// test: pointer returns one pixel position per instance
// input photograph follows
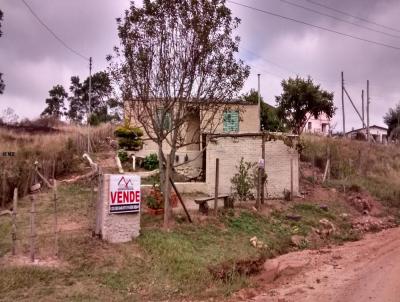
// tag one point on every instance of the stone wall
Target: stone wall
(115, 228)
(230, 150)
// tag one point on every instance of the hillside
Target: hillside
(211, 259)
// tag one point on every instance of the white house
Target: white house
(378, 133)
(320, 125)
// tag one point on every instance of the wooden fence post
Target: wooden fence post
(14, 221)
(329, 166)
(3, 185)
(55, 198)
(313, 169)
(32, 222)
(291, 179)
(258, 202)
(216, 186)
(263, 170)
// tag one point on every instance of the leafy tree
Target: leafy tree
(101, 103)
(55, 104)
(176, 59)
(301, 97)
(2, 85)
(76, 111)
(269, 118)
(392, 118)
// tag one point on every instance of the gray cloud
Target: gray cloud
(33, 61)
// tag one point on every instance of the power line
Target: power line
(350, 15)
(283, 68)
(339, 19)
(268, 61)
(53, 33)
(315, 26)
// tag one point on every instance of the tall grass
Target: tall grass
(57, 153)
(374, 167)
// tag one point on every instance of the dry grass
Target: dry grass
(373, 167)
(58, 153)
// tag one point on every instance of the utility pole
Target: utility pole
(343, 115)
(90, 103)
(362, 107)
(259, 100)
(368, 136)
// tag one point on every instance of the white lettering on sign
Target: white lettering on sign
(124, 196)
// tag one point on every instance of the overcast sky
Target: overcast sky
(32, 61)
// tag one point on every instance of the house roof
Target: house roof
(363, 128)
(228, 102)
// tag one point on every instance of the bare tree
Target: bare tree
(8, 116)
(177, 59)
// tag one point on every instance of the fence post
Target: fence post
(32, 222)
(258, 202)
(216, 186)
(55, 198)
(263, 170)
(14, 221)
(3, 185)
(329, 166)
(291, 179)
(313, 169)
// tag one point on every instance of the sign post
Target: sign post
(124, 194)
(119, 208)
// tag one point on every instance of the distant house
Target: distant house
(237, 117)
(320, 125)
(378, 134)
(235, 135)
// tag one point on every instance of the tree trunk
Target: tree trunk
(167, 192)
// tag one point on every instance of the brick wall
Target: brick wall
(229, 150)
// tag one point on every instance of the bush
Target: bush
(129, 138)
(150, 162)
(123, 156)
(243, 180)
(153, 203)
(128, 132)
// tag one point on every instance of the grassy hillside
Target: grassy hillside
(207, 259)
(372, 167)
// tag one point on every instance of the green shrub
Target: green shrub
(243, 180)
(123, 156)
(129, 138)
(150, 162)
(128, 132)
(129, 144)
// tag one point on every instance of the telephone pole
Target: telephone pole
(362, 105)
(343, 115)
(90, 103)
(368, 136)
(259, 101)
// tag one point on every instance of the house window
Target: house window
(231, 121)
(167, 119)
(309, 125)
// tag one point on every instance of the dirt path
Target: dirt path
(367, 270)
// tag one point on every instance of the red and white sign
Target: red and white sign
(124, 196)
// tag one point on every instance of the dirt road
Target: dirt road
(367, 270)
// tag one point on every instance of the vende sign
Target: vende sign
(124, 194)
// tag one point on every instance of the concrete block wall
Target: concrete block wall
(116, 228)
(230, 150)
